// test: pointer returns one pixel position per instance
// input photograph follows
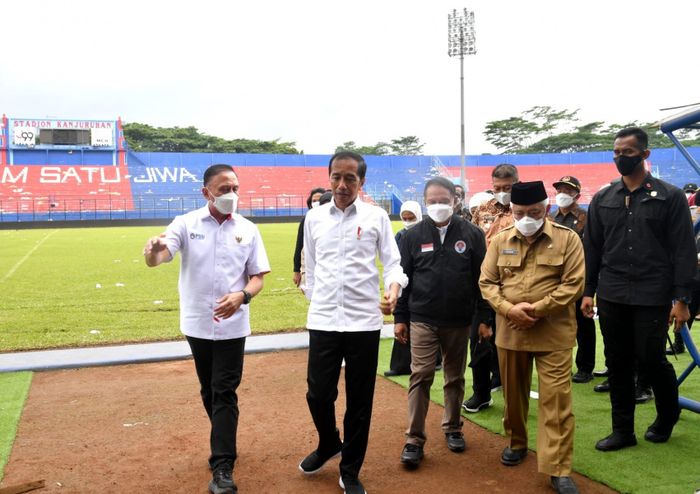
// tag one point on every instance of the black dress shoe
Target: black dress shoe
(563, 485)
(582, 377)
(658, 432)
(412, 455)
(603, 387)
(455, 442)
(351, 485)
(616, 441)
(511, 457)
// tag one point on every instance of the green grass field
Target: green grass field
(49, 295)
(49, 278)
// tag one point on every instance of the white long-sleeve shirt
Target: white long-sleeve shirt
(342, 279)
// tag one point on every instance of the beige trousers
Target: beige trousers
(426, 339)
(555, 419)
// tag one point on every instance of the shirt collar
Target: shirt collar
(356, 204)
(205, 213)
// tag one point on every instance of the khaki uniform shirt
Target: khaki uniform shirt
(549, 274)
(492, 217)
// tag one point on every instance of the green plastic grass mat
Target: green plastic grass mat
(647, 468)
(14, 388)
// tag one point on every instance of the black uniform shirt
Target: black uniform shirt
(639, 245)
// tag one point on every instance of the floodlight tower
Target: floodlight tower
(461, 41)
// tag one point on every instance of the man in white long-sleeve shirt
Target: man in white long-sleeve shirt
(341, 241)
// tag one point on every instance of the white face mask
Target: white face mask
(688, 194)
(315, 204)
(409, 224)
(528, 226)
(226, 203)
(503, 197)
(564, 200)
(440, 213)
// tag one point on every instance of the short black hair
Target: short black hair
(639, 134)
(214, 170)
(460, 194)
(505, 170)
(440, 182)
(344, 155)
(315, 190)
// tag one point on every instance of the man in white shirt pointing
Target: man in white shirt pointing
(341, 241)
(222, 269)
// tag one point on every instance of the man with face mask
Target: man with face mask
(532, 275)
(492, 217)
(222, 269)
(640, 257)
(441, 256)
(573, 216)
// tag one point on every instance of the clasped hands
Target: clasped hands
(522, 316)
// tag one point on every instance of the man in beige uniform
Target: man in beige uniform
(532, 275)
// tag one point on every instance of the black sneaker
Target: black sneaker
(315, 461)
(496, 385)
(676, 349)
(455, 442)
(582, 377)
(222, 480)
(476, 404)
(412, 455)
(642, 395)
(351, 485)
(602, 373)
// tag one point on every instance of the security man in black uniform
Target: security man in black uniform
(573, 216)
(640, 255)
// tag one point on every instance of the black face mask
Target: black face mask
(627, 164)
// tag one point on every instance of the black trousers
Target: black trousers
(327, 349)
(486, 370)
(585, 339)
(219, 367)
(634, 331)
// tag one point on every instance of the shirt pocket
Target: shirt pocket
(549, 264)
(509, 267)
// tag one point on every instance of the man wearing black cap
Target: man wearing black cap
(573, 216)
(640, 255)
(690, 189)
(532, 275)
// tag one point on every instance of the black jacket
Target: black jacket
(639, 245)
(443, 279)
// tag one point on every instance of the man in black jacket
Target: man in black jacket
(639, 256)
(442, 257)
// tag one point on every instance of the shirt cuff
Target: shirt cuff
(589, 291)
(504, 307)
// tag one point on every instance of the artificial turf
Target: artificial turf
(647, 468)
(14, 388)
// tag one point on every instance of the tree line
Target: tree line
(540, 129)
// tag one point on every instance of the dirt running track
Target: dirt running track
(141, 428)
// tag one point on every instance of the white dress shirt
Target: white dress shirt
(217, 259)
(342, 279)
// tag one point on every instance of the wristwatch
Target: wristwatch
(247, 297)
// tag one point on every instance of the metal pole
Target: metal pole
(463, 171)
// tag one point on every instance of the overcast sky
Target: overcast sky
(323, 72)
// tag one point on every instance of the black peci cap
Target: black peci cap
(570, 181)
(691, 187)
(527, 193)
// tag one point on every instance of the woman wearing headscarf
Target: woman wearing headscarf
(400, 364)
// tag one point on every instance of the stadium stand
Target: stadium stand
(105, 180)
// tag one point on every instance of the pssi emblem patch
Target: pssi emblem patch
(196, 236)
(460, 246)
